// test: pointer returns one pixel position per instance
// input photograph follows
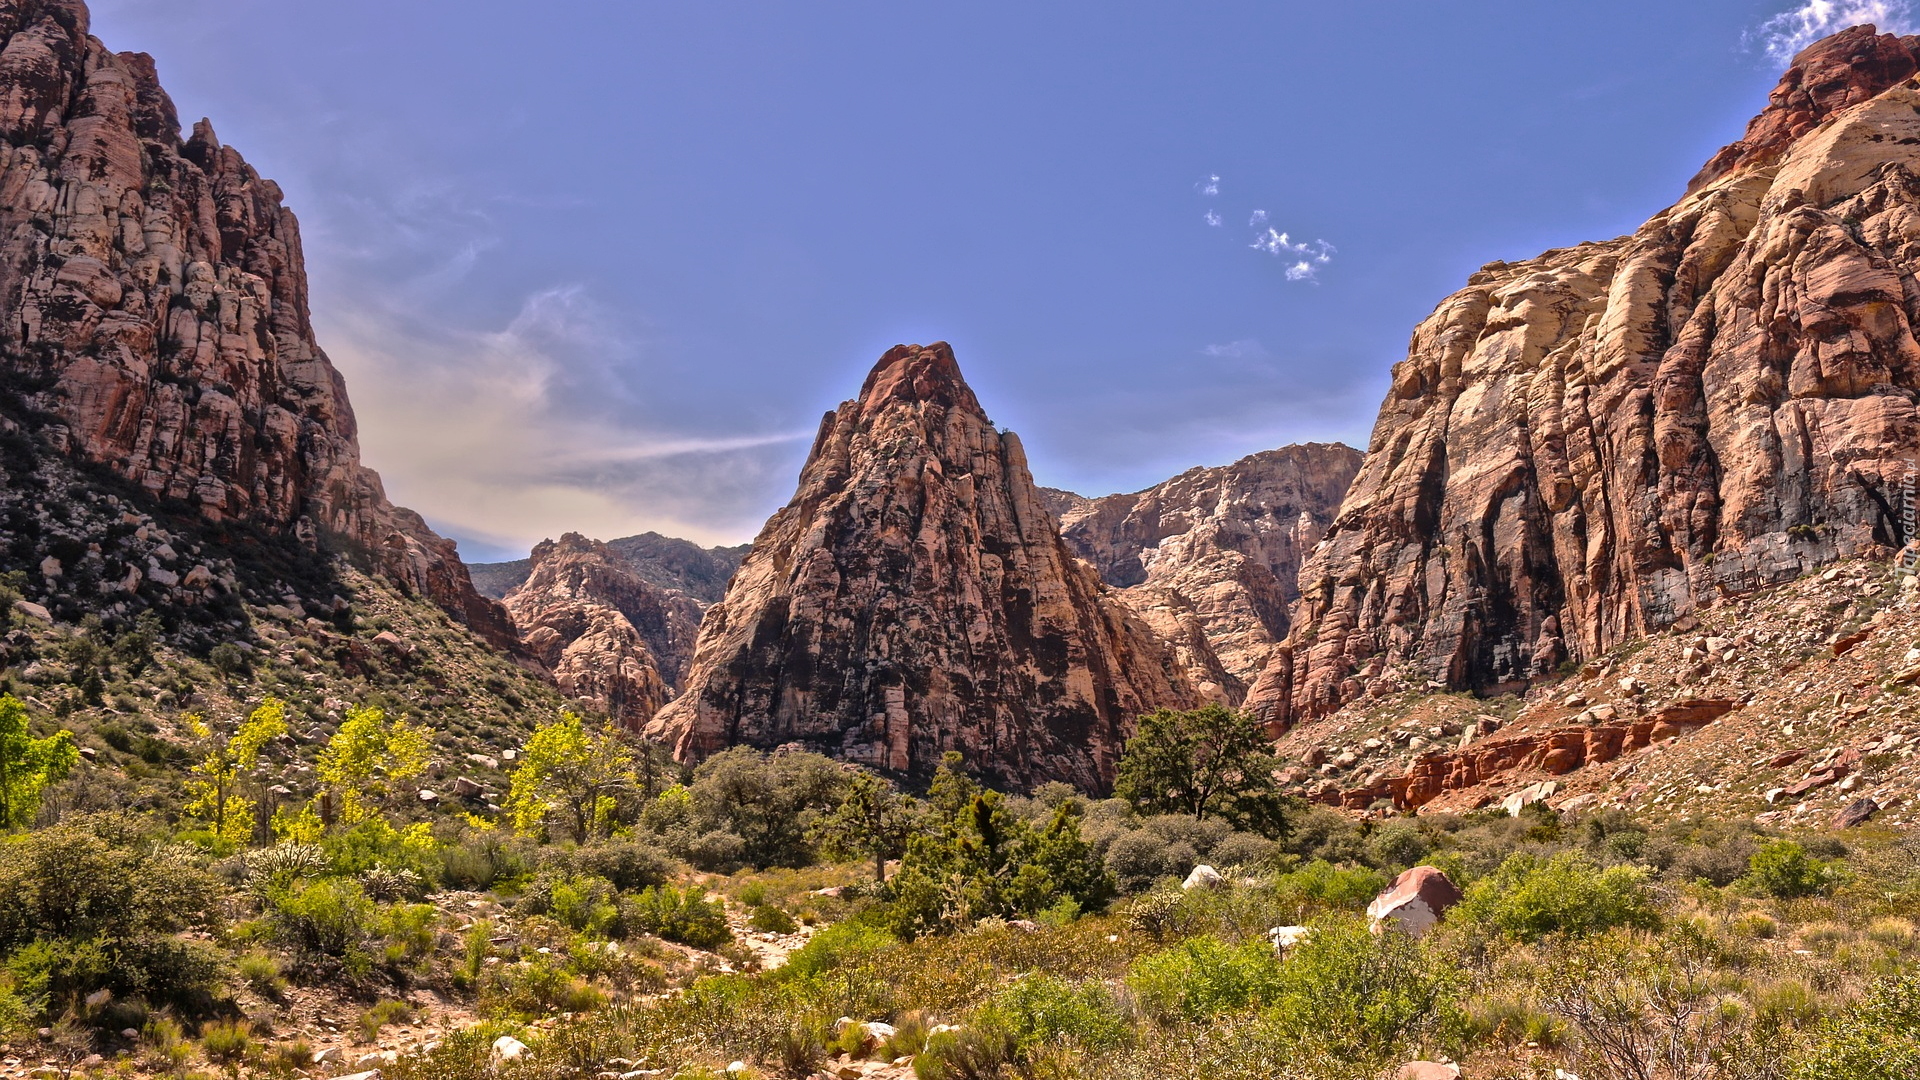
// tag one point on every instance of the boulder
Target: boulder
(1428, 1070)
(1204, 877)
(1415, 901)
(508, 1048)
(1286, 937)
(1857, 812)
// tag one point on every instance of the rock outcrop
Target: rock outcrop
(153, 302)
(666, 562)
(611, 639)
(1585, 447)
(915, 597)
(1211, 558)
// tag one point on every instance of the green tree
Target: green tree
(871, 822)
(573, 775)
(227, 757)
(27, 764)
(987, 862)
(1207, 761)
(369, 759)
(767, 800)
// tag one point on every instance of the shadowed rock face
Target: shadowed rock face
(662, 561)
(155, 305)
(1211, 558)
(610, 638)
(1586, 446)
(915, 597)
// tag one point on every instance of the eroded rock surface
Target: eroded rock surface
(1587, 446)
(155, 304)
(915, 597)
(1211, 558)
(610, 638)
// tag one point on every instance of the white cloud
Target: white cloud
(1308, 257)
(1213, 219)
(1787, 33)
(1210, 186)
(1258, 219)
(1244, 349)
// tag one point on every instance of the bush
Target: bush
(263, 974)
(769, 919)
(842, 944)
(1351, 995)
(384, 1012)
(1529, 898)
(329, 917)
(1040, 1010)
(1203, 977)
(630, 866)
(1785, 870)
(227, 1041)
(582, 902)
(1139, 858)
(1322, 885)
(974, 1052)
(682, 915)
(1879, 1039)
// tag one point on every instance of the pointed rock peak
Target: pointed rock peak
(568, 542)
(1832, 74)
(917, 373)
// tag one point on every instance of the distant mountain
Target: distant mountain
(663, 561)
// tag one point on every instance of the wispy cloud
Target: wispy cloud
(1258, 219)
(1244, 349)
(1213, 219)
(1210, 186)
(1785, 34)
(1307, 256)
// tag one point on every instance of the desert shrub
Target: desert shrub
(329, 917)
(1041, 1009)
(1529, 898)
(840, 945)
(262, 972)
(772, 920)
(383, 1012)
(1139, 858)
(1397, 845)
(1202, 977)
(536, 987)
(1878, 1039)
(629, 865)
(767, 800)
(581, 901)
(1322, 885)
(375, 843)
(1349, 994)
(164, 1045)
(983, 861)
(227, 1041)
(974, 1052)
(1783, 868)
(481, 860)
(1244, 849)
(682, 915)
(408, 930)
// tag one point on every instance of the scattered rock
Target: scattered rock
(1857, 812)
(1204, 877)
(1415, 901)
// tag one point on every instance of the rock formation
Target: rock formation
(610, 638)
(663, 561)
(153, 302)
(1211, 558)
(915, 597)
(1587, 446)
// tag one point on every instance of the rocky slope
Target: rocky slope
(1585, 447)
(1211, 558)
(611, 638)
(663, 561)
(155, 311)
(915, 597)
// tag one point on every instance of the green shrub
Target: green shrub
(1878, 1039)
(262, 972)
(1040, 1009)
(537, 987)
(1351, 995)
(164, 1045)
(844, 944)
(227, 1042)
(384, 1012)
(974, 1052)
(772, 920)
(1784, 869)
(1528, 898)
(580, 901)
(1204, 977)
(1324, 886)
(682, 915)
(629, 865)
(409, 931)
(330, 916)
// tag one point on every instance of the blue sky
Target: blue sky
(601, 265)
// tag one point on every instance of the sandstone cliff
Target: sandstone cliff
(915, 597)
(153, 302)
(665, 562)
(1211, 558)
(1588, 445)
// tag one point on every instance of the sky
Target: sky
(601, 265)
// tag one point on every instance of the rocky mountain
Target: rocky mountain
(612, 638)
(1590, 445)
(1211, 558)
(915, 597)
(665, 562)
(156, 318)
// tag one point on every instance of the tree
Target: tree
(767, 800)
(1211, 760)
(27, 764)
(367, 760)
(227, 757)
(572, 774)
(985, 861)
(872, 821)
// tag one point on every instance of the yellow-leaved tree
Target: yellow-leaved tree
(573, 775)
(366, 762)
(214, 795)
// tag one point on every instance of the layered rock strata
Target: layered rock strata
(1586, 446)
(915, 597)
(1211, 558)
(665, 562)
(612, 640)
(153, 302)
